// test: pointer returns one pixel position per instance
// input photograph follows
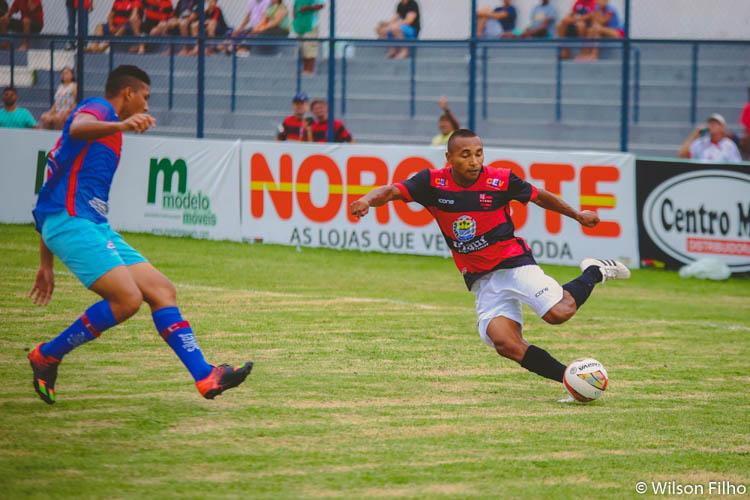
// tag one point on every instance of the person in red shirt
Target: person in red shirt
(470, 202)
(319, 110)
(154, 13)
(31, 21)
(745, 120)
(297, 126)
(124, 20)
(576, 23)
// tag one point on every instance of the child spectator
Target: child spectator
(711, 143)
(297, 126)
(447, 124)
(496, 23)
(155, 13)
(215, 26)
(124, 20)
(65, 101)
(605, 23)
(31, 20)
(576, 23)
(405, 24)
(305, 24)
(319, 110)
(542, 24)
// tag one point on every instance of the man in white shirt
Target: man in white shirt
(710, 143)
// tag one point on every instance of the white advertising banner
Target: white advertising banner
(23, 157)
(178, 187)
(297, 194)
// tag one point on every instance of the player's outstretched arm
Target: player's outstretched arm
(44, 283)
(375, 198)
(87, 127)
(549, 201)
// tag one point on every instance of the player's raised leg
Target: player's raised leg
(161, 295)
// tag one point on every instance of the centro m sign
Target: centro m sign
(706, 212)
(350, 183)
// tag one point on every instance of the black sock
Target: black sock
(581, 287)
(539, 361)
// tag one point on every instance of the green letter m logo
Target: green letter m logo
(169, 169)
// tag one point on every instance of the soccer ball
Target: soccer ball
(585, 379)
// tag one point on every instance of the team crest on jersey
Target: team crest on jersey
(440, 181)
(494, 182)
(464, 228)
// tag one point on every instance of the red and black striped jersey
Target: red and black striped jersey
(122, 9)
(292, 129)
(340, 133)
(475, 221)
(157, 10)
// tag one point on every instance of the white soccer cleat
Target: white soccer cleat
(567, 399)
(611, 269)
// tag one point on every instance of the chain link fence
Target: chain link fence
(685, 59)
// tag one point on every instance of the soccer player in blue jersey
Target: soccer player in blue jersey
(71, 213)
(470, 202)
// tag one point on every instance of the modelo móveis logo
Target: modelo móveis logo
(195, 207)
(700, 214)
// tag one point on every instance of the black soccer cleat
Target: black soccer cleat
(45, 374)
(223, 377)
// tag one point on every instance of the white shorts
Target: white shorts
(501, 292)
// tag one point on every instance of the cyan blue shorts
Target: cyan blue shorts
(408, 31)
(88, 249)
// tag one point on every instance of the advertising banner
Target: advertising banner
(298, 194)
(178, 187)
(23, 160)
(690, 211)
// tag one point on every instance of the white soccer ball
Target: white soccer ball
(585, 379)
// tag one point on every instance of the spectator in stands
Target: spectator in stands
(72, 8)
(275, 23)
(745, 120)
(711, 143)
(447, 124)
(542, 24)
(405, 24)
(216, 26)
(124, 20)
(297, 126)
(31, 20)
(496, 23)
(155, 13)
(65, 101)
(576, 23)
(185, 14)
(319, 110)
(605, 23)
(12, 116)
(305, 24)
(256, 10)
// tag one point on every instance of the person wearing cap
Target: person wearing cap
(297, 127)
(711, 143)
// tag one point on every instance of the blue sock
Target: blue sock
(94, 321)
(581, 287)
(177, 333)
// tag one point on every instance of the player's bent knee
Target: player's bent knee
(126, 304)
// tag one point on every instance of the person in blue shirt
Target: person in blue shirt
(542, 22)
(12, 116)
(605, 23)
(71, 216)
(496, 23)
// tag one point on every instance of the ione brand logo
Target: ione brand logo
(175, 194)
(700, 214)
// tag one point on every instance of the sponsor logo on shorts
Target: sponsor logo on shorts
(111, 246)
(464, 228)
(540, 292)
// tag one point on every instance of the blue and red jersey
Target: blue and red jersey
(475, 221)
(79, 172)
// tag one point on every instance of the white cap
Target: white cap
(717, 118)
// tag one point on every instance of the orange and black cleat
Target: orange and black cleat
(45, 374)
(223, 377)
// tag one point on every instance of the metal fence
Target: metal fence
(631, 79)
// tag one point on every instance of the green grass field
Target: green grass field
(370, 382)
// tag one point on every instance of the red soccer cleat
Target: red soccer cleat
(45, 374)
(223, 377)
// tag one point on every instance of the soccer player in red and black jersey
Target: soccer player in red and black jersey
(470, 202)
(319, 110)
(297, 127)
